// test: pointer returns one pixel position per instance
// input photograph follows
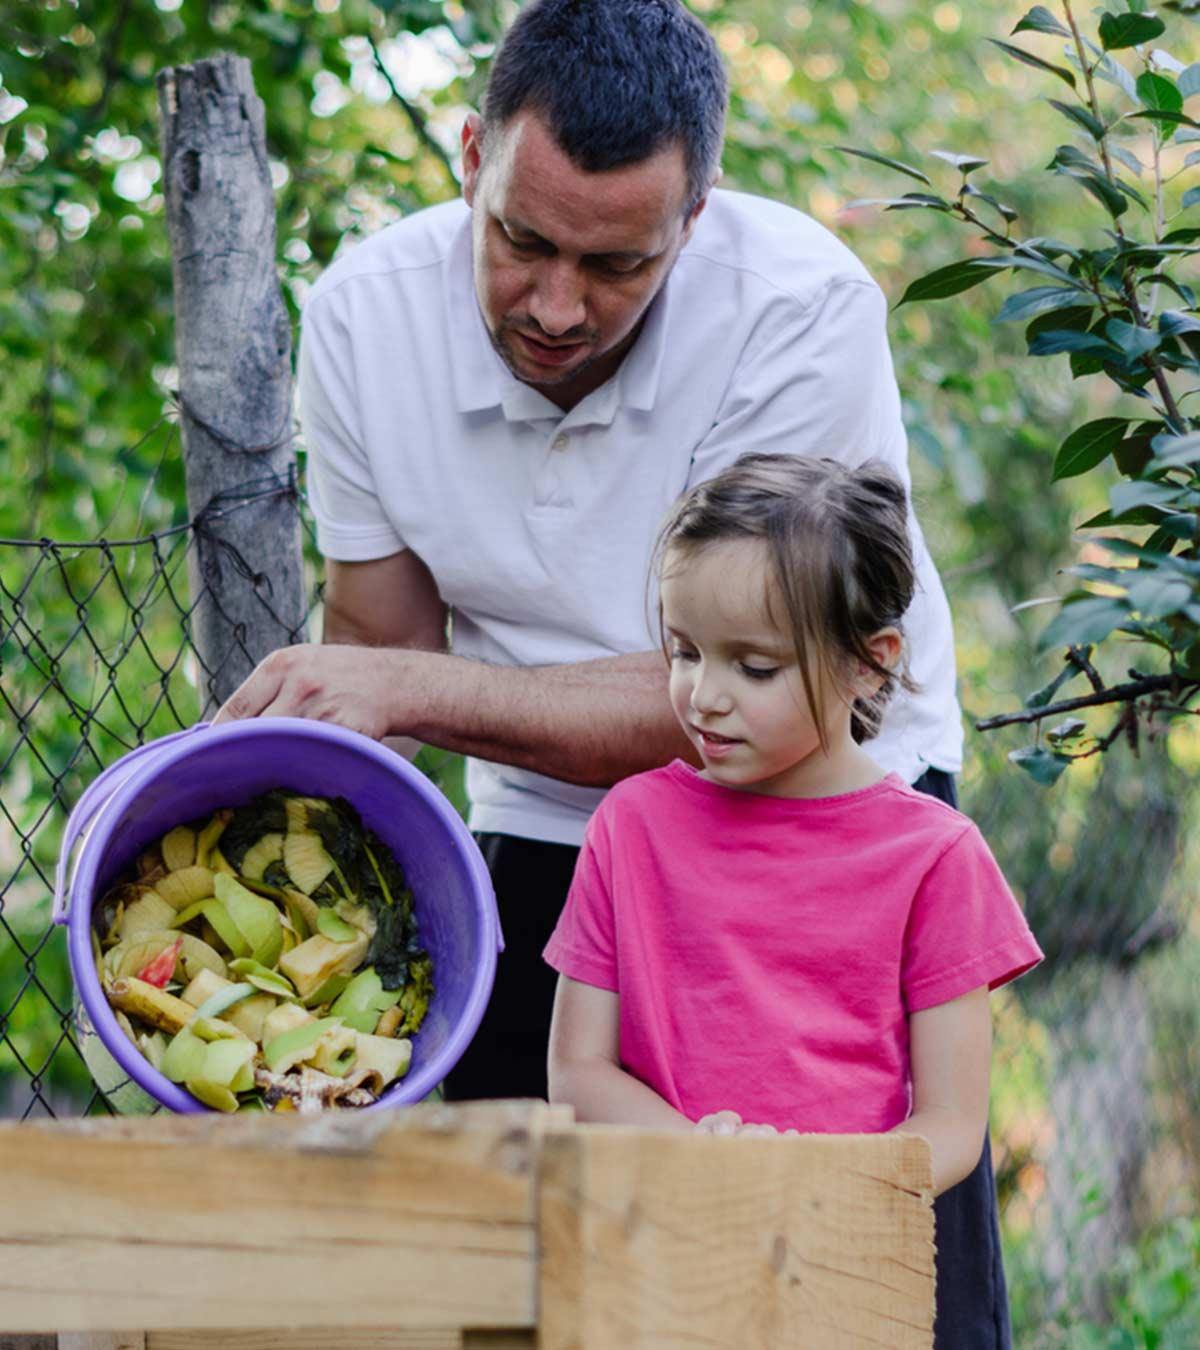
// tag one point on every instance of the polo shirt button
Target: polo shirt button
(561, 441)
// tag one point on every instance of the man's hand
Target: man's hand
(354, 687)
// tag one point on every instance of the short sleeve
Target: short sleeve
(583, 944)
(352, 525)
(965, 928)
(816, 380)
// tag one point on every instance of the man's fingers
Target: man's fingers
(256, 693)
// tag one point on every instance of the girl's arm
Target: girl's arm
(585, 1070)
(951, 1049)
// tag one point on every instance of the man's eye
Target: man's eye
(682, 654)
(619, 269)
(759, 672)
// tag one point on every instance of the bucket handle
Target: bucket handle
(86, 808)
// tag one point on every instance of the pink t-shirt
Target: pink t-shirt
(767, 950)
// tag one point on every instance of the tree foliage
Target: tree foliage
(1116, 303)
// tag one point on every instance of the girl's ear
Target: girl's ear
(885, 646)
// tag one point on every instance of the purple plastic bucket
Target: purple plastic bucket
(190, 774)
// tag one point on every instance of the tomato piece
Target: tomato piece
(160, 970)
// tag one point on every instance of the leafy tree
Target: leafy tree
(1118, 307)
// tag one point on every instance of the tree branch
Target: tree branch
(1117, 693)
(415, 116)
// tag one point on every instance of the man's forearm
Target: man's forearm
(591, 723)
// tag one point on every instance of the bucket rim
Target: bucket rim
(86, 870)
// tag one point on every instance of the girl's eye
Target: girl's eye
(759, 672)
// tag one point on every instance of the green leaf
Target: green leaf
(1126, 497)
(1172, 321)
(1043, 766)
(1055, 340)
(1171, 451)
(1189, 199)
(1067, 731)
(1039, 300)
(1110, 197)
(1090, 619)
(963, 163)
(1040, 20)
(1081, 117)
(1127, 30)
(912, 200)
(1158, 93)
(1188, 82)
(949, 280)
(896, 164)
(1026, 262)
(1028, 58)
(1130, 161)
(1088, 446)
(1006, 212)
(1154, 597)
(1134, 341)
(1042, 696)
(1166, 116)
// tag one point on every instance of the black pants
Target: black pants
(507, 1058)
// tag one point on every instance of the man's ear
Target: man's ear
(694, 214)
(472, 155)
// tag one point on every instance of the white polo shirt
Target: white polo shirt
(538, 525)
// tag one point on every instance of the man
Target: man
(501, 397)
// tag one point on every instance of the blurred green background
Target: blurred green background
(1096, 1103)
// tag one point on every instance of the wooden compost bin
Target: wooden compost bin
(494, 1224)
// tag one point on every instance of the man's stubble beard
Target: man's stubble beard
(505, 352)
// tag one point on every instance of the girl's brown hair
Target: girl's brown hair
(839, 556)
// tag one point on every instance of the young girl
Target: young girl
(787, 939)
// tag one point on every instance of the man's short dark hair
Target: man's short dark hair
(616, 81)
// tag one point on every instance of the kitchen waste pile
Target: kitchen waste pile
(267, 957)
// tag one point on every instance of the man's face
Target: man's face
(567, 261)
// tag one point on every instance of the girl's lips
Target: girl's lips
(714, 744)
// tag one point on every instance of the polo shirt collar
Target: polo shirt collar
(481, 380)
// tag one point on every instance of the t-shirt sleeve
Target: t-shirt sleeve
(816, 379)
(965, 928)
(352, 525)
(583, 945)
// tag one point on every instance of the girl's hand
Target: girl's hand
(719, 1122)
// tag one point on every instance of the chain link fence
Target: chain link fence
(1096, 1081)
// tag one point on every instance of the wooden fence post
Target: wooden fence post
(233, 346)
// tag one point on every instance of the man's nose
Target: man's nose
(558, 301)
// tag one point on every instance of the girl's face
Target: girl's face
(736, 685)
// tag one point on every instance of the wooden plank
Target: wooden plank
(321, 1338)
(309, 1338)
(661, 1240)
(102, 1340)
(422, 1218)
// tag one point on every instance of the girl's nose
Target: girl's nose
(709, 698)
